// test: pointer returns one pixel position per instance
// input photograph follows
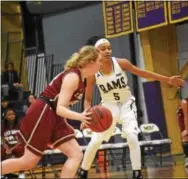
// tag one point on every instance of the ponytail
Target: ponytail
(73, 61)
(86, 54)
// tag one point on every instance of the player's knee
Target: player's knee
(28, 163)
(77, 155)
(80, 155)
(132, 140)
(96, 143)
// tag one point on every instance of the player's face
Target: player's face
(95, 66)
(105, 50)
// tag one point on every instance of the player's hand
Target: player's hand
(184, 133)
(8, 151)
(86, 117)
(82, 126)
(176, 81)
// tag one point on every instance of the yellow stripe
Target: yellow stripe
(170, 16)
(153, 26)
(104, 16)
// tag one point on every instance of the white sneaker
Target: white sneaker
(21, 175)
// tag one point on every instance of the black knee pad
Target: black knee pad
(185, 148)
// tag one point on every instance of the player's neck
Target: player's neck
(107, 67)
(83, 74)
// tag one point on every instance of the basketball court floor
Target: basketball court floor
(151, 170)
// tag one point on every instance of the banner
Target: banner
(177, 11)
(117, 18)
(150, 14)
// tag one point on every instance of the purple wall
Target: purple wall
(154, 105)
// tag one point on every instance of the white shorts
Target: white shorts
(124, 114)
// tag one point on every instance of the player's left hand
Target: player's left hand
(176, 81)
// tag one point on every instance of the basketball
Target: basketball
(101, 118)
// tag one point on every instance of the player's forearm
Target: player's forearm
(151, 75)
(87, 104)
(154, 76)
(66, 113)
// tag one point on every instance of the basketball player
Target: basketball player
(116, 95)
(182, 116)
(45, 122)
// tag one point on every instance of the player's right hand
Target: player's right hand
(86, 117)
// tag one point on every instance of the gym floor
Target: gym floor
(169, 169)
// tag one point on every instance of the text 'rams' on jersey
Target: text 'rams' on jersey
(113, 87)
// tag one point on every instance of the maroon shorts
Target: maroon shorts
(41, 127)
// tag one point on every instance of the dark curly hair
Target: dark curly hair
(92, 40)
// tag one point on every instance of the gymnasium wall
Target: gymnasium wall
(65, 33)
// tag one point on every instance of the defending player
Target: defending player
(116, 95)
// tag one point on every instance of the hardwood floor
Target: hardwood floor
(168, 170)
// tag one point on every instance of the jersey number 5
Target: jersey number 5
(116, 96)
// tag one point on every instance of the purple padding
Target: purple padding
(154, 105)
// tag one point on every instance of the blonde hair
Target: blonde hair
(84, 56)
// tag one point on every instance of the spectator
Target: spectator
(182, 115)
(30, 100)
(4, 105)
(11, 147)
(10, 81)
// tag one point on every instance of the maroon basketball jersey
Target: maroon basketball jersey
(53, 88)
(181, 117)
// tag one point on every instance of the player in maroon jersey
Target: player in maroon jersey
(45, 121)
(182, 115)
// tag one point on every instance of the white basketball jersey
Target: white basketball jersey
(113, 87)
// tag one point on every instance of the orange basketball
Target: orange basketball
(101, 118)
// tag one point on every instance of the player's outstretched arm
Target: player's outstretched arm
(173, 80)
(69, 85)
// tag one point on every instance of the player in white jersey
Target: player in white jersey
(112, 83)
